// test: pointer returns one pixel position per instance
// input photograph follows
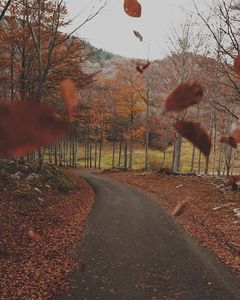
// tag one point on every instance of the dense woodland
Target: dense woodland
(121, 103)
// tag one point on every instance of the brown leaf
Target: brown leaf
(179, 209)
(138, 35)
(139, 69)
(234, 131)
(25, 126)
(194, 133)
(34, 235)
(132, 8)
(146, 65)
(236, 64)
(185, 95)
(229, 140)
(69, 93)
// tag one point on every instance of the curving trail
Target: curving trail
(134, 251)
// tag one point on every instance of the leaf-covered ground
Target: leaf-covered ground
(211, 211)
(42, 214)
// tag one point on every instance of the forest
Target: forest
(120, 109)
(68, 107)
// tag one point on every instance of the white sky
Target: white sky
(112, 29)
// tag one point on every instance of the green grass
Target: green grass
(155, 158)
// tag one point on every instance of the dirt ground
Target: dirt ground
(211, 211)
(41, 219)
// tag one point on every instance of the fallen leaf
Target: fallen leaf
(179, 209)
(229, 140)
(34, 235)
(132, 8)
(195, 134)
(138, 35)
(25, 126)
(185, 95)
(69, 93)
(236, 64)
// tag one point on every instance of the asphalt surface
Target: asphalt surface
(134, 251)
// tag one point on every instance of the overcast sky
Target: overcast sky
(112, 29)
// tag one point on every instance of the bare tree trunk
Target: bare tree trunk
(113, 153)
(95, 155)
(147, 136)
(90, 152)
(177, 153)
(119, 154)
(193, 157)
(214, 145)
(220, 160)
(125, 155)
(199, 162)
(85, 153)
(164, 158)
(100, 154)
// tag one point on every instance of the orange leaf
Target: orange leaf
(185, 95)
(234, 131)
(195, 134)
(179, 209)
(229, 140)
(236, 64)
(132, 8)
(138, 35)
(69, 93)
(34, 235)
(25, 126)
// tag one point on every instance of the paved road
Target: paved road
(134, 251)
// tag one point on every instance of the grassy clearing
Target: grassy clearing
(156, 158)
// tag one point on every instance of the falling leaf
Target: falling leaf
(25, 126)
(139, 69)
(146, 65)
(194, 133)
(69, 93)
(229, 140)
(234, 131)
(132, 8)
(34, 235)
(185, 95)
(236, 64)
(138, 35)
(179, 209)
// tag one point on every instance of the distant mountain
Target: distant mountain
(100, 59)
(98, 55)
